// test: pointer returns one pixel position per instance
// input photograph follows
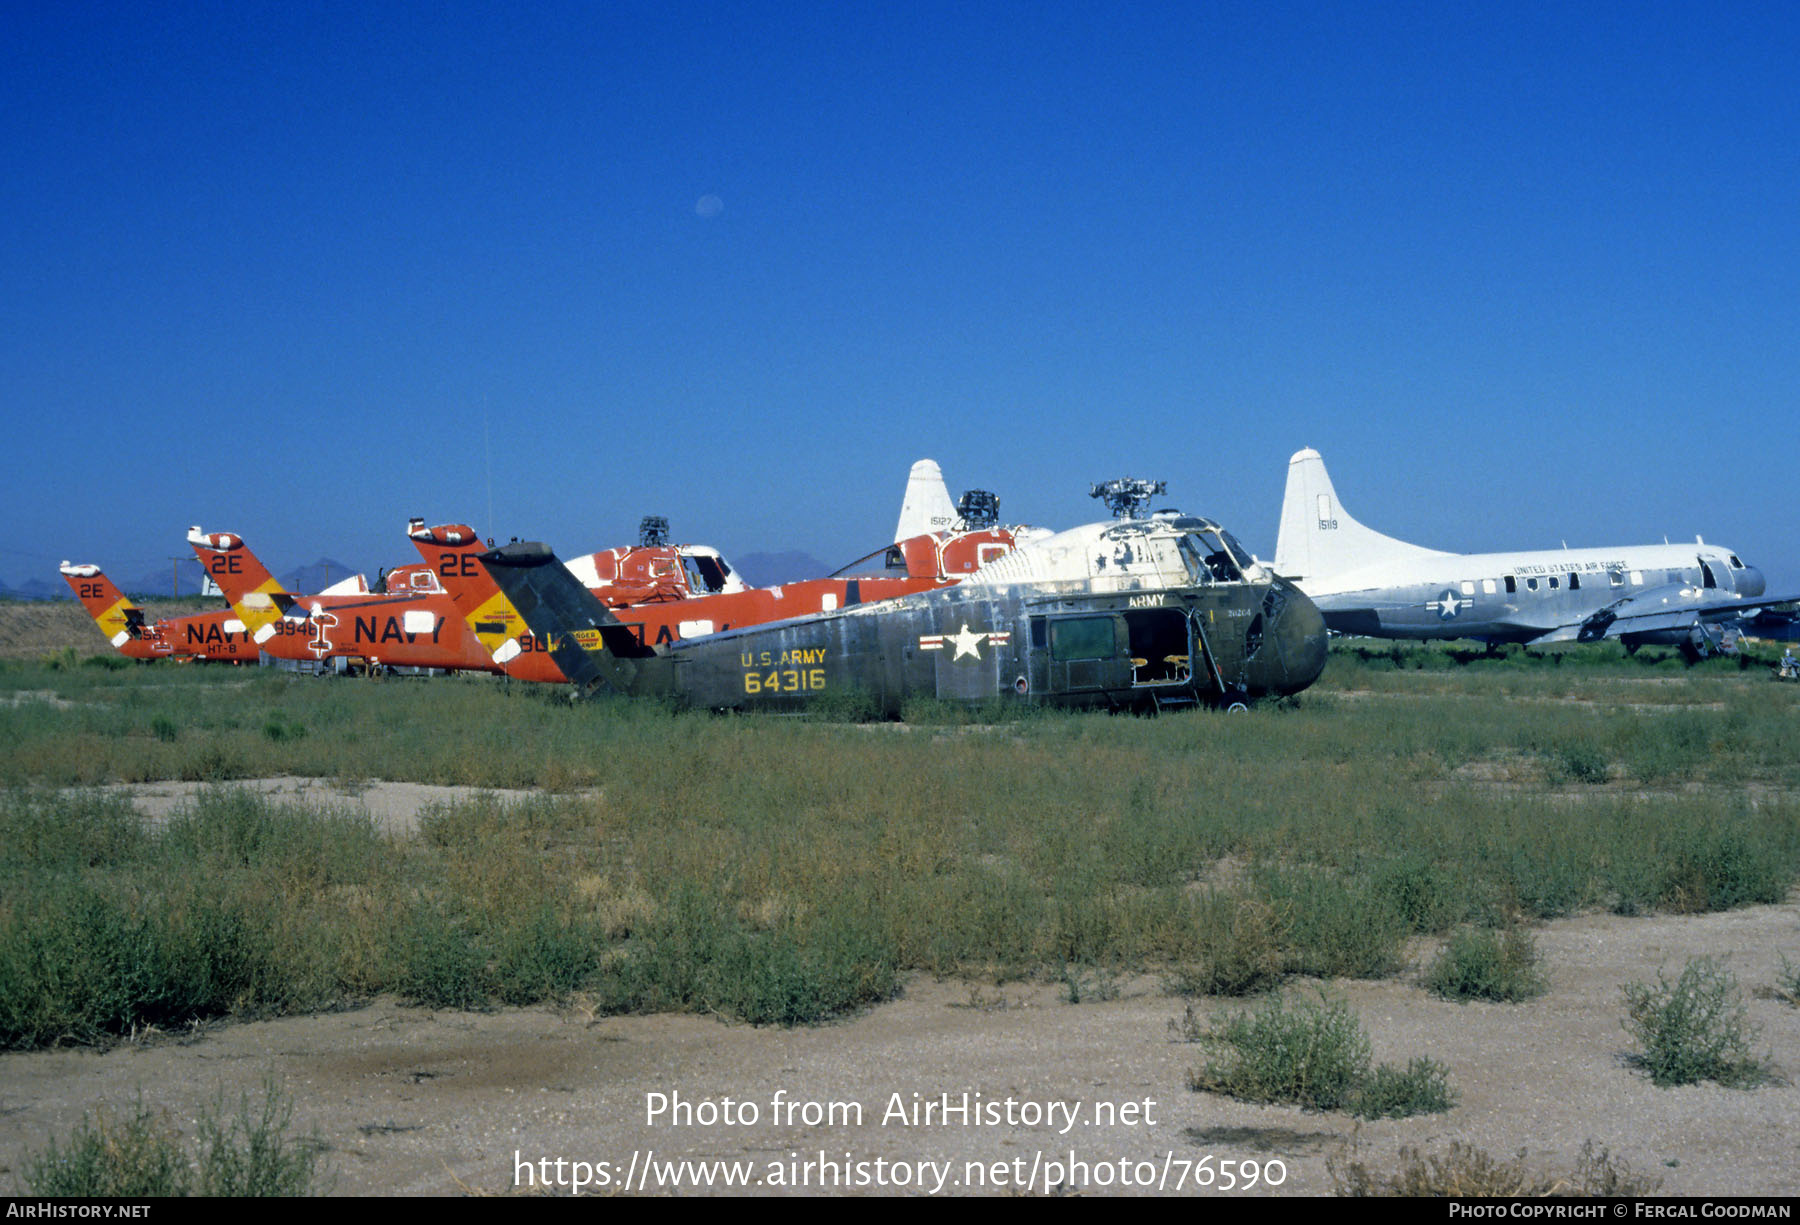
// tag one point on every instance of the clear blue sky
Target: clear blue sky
(1524, 273)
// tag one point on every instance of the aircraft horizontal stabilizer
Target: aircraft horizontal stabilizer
(591, 646)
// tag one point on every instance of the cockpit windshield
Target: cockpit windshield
(1210, 556)
(1239, 553)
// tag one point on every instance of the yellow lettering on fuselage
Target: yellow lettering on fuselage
(802, 655)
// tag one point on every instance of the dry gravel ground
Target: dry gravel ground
(408, 1101)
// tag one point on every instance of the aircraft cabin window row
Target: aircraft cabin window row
(1552, 582)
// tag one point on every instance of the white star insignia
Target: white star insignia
(967, 642)
(1448, 605)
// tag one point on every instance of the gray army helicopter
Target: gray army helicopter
(1139, 612)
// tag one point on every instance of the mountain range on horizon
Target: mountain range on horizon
(177, 582)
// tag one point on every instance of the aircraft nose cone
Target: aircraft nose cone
(1750, 581)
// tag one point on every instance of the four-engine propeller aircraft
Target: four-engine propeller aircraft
(410, 622)
(1370, 584)
(1131, 613)
(216, 636)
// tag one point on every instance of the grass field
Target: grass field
(786, 871)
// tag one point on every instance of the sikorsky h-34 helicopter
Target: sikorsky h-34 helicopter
(1143, 611)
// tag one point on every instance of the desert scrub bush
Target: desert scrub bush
(440, 962)
(133, 1158)
(1723, 868)
(1484, 964)
(1576, 763)
(1387, 1092)
(83, 961)
(248, 1154)
(1428, 896)
(1315, 1055)
(1311, 1054)
(1091, 983)
(1468, 1172)
(696, 955)
(1334, 926)
(1787, 981)
(1237, 950)
(252, 1154)
(47, 832)
(543, 956)
(1694, 1028)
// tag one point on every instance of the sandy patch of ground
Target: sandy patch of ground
(409, 1101)
(394, 807)
(25, 697)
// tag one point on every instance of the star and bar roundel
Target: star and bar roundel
(1449, 604)
(965, 642)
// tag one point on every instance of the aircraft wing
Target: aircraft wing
(1671, 607)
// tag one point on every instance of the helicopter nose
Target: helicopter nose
(1293, 656)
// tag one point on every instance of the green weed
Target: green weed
(1694, 1029)
(135, 1158)
(1466, 1172)
(1315, 1055)
(1222, 855)
(1333, 925)
(1483, 964)
(1577, 763)
(1787, 982)
(1238, 949)
(249, 1153)
(1387, 1092)
(441, 964)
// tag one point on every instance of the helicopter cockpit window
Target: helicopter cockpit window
(1239, 553)
(1214, 550)
(1193, 560)
(705, 574)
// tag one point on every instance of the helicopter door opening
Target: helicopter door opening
(1161, 653)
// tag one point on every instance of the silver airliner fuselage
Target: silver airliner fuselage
(1369, 584)
(1520, 597)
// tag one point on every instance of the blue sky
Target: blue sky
(1524, 273)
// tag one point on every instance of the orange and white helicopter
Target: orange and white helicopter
(407, 620)
(216, 636)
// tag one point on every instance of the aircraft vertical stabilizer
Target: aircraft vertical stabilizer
(927, 507)
(255, 595)
(118, 618)
(1318, 538)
